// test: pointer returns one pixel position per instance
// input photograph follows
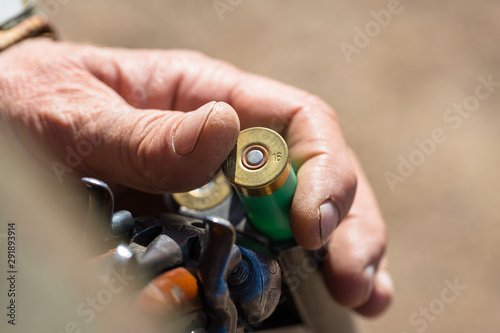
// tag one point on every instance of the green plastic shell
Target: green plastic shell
(270, 214)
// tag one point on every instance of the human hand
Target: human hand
(116, 101)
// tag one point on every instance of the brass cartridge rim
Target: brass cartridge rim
(207, 196)
(266, 178)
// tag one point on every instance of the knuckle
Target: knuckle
(140, 142)
(314, 102)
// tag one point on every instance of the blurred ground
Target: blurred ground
(396, 89)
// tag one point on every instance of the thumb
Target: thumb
(159, 151)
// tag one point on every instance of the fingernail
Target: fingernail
(385, 279)
(369, 275)
(188, 132)
(328, 220)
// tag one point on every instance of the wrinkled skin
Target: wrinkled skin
(118, 105)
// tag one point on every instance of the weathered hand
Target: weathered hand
(107, 110)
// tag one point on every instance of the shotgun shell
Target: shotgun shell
(259, 169)
(207, 196)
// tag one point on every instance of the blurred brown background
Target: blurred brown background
(394, 89)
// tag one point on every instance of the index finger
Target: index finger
(318, 152)
(326, 179)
